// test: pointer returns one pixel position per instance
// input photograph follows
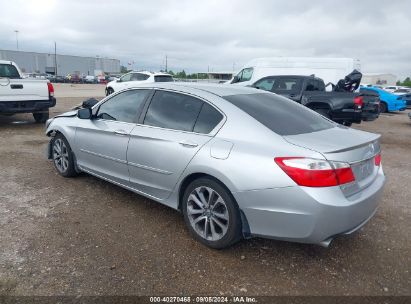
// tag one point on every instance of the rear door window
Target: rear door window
(139, 77)
(172, 110)
(281, 115)
(207, 120)
(163, 78)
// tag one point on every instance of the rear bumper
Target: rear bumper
(29, 106)
(347, 115)
(308, 215)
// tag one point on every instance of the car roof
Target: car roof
(220, 90)
(151, 73)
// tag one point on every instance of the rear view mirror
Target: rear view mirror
(84, 113)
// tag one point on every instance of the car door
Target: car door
(101, 142)
(174, 128)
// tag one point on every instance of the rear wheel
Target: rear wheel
(323, 112)
(41, 117)
(383, 107)
(63, 157)
(211, 214)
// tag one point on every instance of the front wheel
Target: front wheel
(41, 117)
(211, 214)
(109, 91)
(63, 158)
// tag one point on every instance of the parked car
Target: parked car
(388, 102)
(73, 78)
(402, 91)
(329, 69)
(24, 95)
(407, 99)
(89, 79)
(135, 78)
(342, 107)
(233, 164)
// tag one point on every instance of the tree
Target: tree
(405, 83)
(123, 69)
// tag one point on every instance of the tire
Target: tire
(323, 112)
(41, 117)
(62, 155)
(214, 231)
(383, 107)
(109, 91)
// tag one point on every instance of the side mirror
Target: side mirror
(84, 113)
(118, 80)
(235, 79)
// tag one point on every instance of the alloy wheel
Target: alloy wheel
(60, 155)
(208, 213)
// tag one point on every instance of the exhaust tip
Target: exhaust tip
(326, 243)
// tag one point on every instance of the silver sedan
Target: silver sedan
(237, 162)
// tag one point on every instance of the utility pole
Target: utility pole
(166, 63)
(17, 38)
(55, 59)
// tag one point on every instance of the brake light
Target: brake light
(316, 172)
(51, 89)
(359, 101)
(377, 159)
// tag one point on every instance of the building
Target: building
(222, 76)
(32, 62)
(383, 79)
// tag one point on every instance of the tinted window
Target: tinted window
(125, 78)
(123, 106)
(9, 71)
(173, 111)
(207, 120)
(280, 85)
(280, 115)
(139, 77)
(163, 78)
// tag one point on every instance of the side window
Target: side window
(311, 85)
(139, 77)
(265, 84)
(321, 86)
(124, 106)
(126, 77)
(247, 74)
(173, 111)
(207, 120)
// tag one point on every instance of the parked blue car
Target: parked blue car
(388, 102)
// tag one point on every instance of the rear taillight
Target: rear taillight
(359, 101)
(51, 89)
(316, 172)
(377, 159)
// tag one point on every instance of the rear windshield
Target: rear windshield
(163, 78)
(9, 71)
(281, 115)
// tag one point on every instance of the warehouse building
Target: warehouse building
(383, 79)
(32, 62)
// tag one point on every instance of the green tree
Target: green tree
(123, 69)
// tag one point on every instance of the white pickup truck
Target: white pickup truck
(24, 95)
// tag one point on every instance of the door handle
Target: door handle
(188, 144)
(120, 132)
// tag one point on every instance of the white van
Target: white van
(329, 69)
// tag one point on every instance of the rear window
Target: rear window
(280, 85)
(8, 71)
(163, 78)
(281, 115)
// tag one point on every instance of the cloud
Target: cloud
(197, 35)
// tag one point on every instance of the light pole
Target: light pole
(17, 38)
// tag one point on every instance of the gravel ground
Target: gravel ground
(84, 236)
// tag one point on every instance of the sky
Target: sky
(215, 35)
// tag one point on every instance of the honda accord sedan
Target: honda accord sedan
(237, 162)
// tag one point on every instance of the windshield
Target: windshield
(281, 115)
(8, 71)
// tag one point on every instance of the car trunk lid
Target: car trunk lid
(358, 148)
